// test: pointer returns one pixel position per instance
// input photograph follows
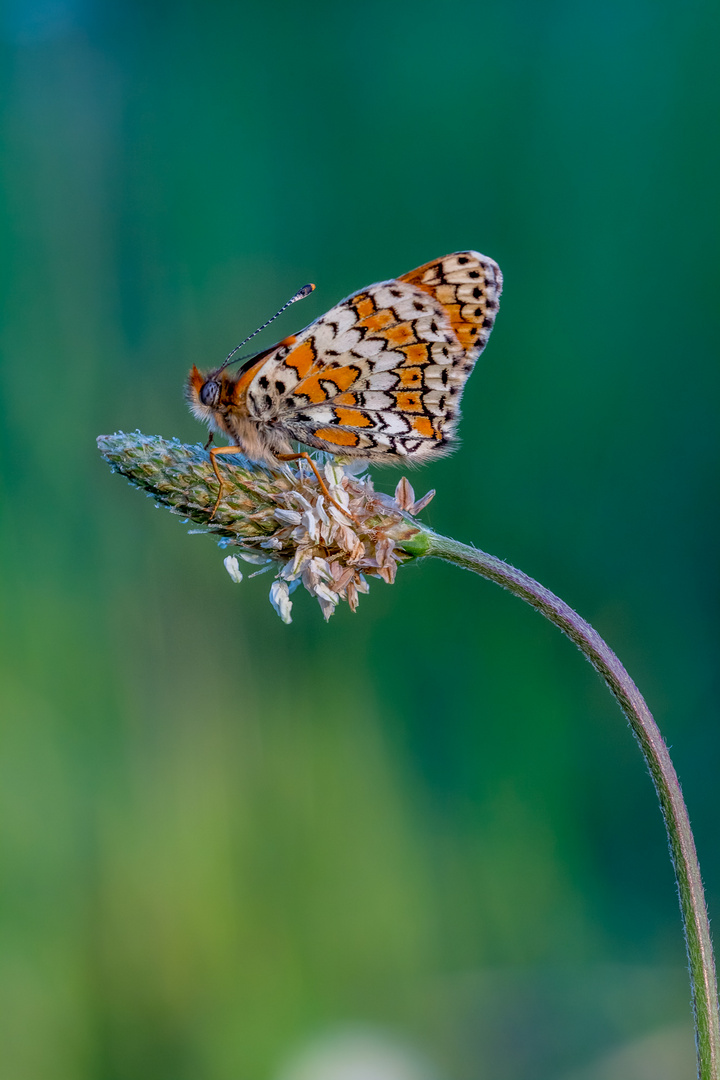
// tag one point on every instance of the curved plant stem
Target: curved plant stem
(682, 845)
(181, 478)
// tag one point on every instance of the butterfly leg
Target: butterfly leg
(213, 456)
(321, 483)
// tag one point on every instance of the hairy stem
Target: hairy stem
(682, 845)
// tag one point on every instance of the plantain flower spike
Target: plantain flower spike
(280, 518)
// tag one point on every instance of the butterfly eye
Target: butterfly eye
(210, 393)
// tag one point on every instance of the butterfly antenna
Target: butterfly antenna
(299, 295)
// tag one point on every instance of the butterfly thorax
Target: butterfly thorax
(220, 401)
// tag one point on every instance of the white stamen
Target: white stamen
(280, 600)
(290, 516)
(233, 568)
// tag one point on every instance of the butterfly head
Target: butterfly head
(216, 395)
(208, 395)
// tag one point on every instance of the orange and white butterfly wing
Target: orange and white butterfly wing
(382, 373)
(468, 285)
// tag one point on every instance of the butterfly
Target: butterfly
(379, 377)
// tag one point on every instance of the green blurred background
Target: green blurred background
(228, 844)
